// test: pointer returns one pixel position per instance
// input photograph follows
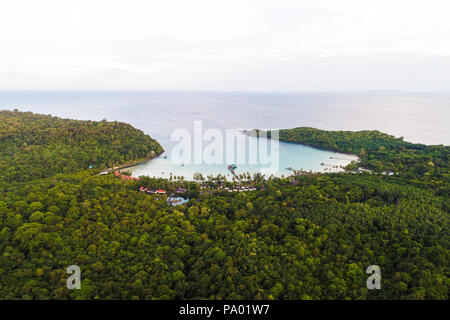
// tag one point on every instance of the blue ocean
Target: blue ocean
(418, 117)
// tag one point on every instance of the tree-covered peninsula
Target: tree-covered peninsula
(382, 153)
(310, 236)
(38, 146)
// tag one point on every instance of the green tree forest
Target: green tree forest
(37, 146)
(306, 237)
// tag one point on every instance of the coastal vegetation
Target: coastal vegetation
(39, 146)
(419, 164)
(309, 236)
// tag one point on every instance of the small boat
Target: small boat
(289, 168)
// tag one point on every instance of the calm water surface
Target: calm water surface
(422, 118)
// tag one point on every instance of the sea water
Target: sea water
(418, 117)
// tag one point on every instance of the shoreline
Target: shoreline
(133, 163)
(326, 168)
(248, 132)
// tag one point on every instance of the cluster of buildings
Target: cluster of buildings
(125, 177)
(237, 188)
(181, 190)
(151, 191)
(364, 170)
(161, 191)
(171, 199)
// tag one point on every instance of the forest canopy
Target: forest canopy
(310, 236)
(420, 164)
(38, 146)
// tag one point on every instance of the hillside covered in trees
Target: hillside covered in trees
(38, 146)
(304, 237)
(419, 164)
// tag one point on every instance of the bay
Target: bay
(418, 117)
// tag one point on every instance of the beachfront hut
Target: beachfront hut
(181, 190)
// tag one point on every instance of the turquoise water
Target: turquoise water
(283, 158)
(418, 117)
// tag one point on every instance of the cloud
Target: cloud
(215, 45)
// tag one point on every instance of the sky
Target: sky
(227, 45)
